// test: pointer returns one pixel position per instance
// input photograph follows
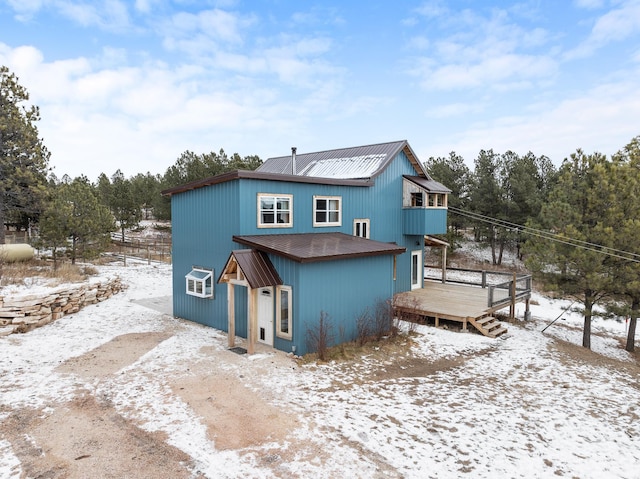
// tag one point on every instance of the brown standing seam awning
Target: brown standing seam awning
(256, 267)
(313, 247)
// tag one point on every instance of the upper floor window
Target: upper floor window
(361, 227)
(327, 211)
(414, 196)
(417, 199)
(275, 211)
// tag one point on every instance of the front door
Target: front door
(417, 269)
(265, 316)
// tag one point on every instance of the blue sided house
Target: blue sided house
(262, 254)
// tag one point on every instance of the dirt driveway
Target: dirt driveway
(88, 437)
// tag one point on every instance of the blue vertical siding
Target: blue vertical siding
(342, 289)
(206, 219)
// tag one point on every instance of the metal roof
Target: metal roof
(428, 184)
(313, 247)
(345, 163)
(256, 267)
(257, 175)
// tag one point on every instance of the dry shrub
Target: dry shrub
(383, 323)
(66, 273)
(364, 327)
(320, 336)
(24, 272)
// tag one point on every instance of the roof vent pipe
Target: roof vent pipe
(293, 160)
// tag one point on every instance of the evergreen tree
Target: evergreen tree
(192, 167)
(75, 213)
(488, 198)
(145, 188)
(576, 266)
(124, 207)
(624, 217)
(23, 156)
(453, 173)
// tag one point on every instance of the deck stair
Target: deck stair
(488, 325)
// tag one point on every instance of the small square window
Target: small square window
(199, 282)
(275, 211)
(327, 211)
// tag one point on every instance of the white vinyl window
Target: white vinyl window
(199, 283)
(361, 227)
(283, 312)
(275, 211)
(327, 211)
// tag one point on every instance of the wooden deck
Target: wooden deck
(453, 302)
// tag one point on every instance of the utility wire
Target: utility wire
(586, 245)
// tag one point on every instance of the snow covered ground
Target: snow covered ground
(531, 405)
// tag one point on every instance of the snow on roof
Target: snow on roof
(363, 166)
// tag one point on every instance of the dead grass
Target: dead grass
(25, 272)
(350, 351)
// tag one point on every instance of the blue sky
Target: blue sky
(132, 85)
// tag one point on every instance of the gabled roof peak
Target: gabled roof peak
(356, 162)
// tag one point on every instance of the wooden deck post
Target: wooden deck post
(512, 308)
(251, 330)
(444, 264)
(231, 315)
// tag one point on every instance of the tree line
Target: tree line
(575, 226)
(75, 216)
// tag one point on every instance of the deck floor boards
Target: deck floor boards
(446, 301)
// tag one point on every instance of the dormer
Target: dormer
(424, 204)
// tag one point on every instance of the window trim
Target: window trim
(315, 210)
(361, 221)
(275, 196)
(419, 270)
(202, 277)
(279, 333)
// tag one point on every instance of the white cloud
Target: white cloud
(589, 4)
(601, 119)
(498, 72)
(617, 24)
(471, 51)
(218, 25)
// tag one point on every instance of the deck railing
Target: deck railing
(503, 288)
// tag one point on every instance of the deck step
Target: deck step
(486, 319)
(489, 326)
(498, 332)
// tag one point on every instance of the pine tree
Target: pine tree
(76, 215)
(23, 156)
(576, 266)
(126, 210)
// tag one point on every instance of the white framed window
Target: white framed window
(199, 282)
(327, 211)
(284, 312)
(361, 227)
(417, 269)
(275, 211)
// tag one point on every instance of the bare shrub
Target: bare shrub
(383, 324)
(320, 336)
(364, 327)
(409, 314)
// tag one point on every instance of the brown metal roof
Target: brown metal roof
(312, 247)
(256, 267)
(428, 184)
(257, 175)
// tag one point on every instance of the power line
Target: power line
(586, 245)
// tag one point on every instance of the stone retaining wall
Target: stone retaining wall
(25, 312)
